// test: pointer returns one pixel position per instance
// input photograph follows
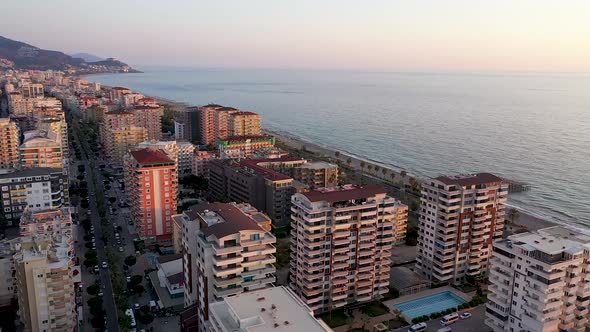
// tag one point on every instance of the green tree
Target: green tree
(403, 173)
(513, 215)
(125, 322)
(136, 279)
(337, 154)
(363, 164)
(130, 260)
(139, 289)
(349, 161)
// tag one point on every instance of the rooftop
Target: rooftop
(469, 179)
(244, 113)
(177, 278)
(245, 138)
(271, 309)
(343, 193)
(253, 164)
(221, 219)
(27, 172)
(551, 240)
(318, 165)
(150, 157)
(168, 258)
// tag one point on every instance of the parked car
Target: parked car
(121, 249)
(136, 306)
(96, 268)
(418, 327)
(104, 265)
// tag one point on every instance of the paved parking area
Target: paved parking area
(473, 324)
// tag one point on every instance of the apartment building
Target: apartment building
(540, 281)
(207, 121)
(246, 181)
(35, 189)
(9, 142)
(8, 291)
(116, 94)
(244, 146)
(31, 90)
(180, 151)
(201, 163)
(186, 124)
(244, 124)
(226, 253)
(122, 140)
(150, 118)
(42, 148)
(151, 181)
(19, 105)
(275, 308)
(341, 242)
(59, 126)
(317, 174)
(45, 287)
(460, 217)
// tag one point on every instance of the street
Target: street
(112, 323)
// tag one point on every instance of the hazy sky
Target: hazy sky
(543, 35)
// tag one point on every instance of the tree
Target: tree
(139, 289)
(377, 168)
(130, 260)
(337, 154)
(90, 262)
(125, 322)
(392, 175)
(369, 168)
(93, 289)
(97, 322)
(349, 161)
(136, 279)
(513, 215)
(384, 171)
(403, 173)
(363, 164)
(112, 199)
(145, 317)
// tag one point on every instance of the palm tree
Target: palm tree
(337, 154)
(384, 171)
(370, 167)
(376, 168)
(349, 161)
(363, 164)
(392, 175)
(403, 173)
(513, 215)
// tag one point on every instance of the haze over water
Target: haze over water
(533, 128)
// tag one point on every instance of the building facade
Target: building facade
(34, 189)
(460, 217)
(150, 118)
(42, 148)
(151, 182)
(226, 253)
(243, 146)
(9, 143)
(341, 242)
(540, 281)
(244, 124)
(180, 151)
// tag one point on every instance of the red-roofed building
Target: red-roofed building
(219, 122)
(151, 184)
(116, 94)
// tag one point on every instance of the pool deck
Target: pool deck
(426, 292)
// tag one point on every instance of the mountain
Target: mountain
(87, 57)
(19, 55)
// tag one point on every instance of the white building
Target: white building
(266, 310)
(540, 282)
(226, 253)
(179, 151)
(460, 217)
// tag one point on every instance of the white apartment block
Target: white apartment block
(180, 151)
(226, 253)
(341, 242)
(460, 217)
(266, 310)
(7, 274)
(540, 282)
(45, 285)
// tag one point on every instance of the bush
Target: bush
(145, 317)
(95, 302)
(88, 245)
(139, 289)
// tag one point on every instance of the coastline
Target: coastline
(393, 175)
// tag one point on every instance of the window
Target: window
(255, 237)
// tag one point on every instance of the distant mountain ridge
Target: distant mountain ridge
(87, 57)
(19, 55)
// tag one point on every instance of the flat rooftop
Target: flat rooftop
(151, 157)
(318, 165)
(343, 193)
(222, 219)
(469, 179)
(551, 240)
(272, 309)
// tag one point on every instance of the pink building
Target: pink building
(151, 179)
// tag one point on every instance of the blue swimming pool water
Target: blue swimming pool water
(429, 304)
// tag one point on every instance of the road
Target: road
(112, 323)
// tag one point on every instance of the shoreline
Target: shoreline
(526, 220)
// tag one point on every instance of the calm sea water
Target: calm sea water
(533, 128)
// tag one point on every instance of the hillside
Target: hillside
(20, 55)
(87, 57)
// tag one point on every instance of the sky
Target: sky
(513, 35)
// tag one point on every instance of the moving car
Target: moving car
(96, 268)
(104, 265)
(121, 249)
(465, 315)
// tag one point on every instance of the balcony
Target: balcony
(223, 292)
(219, 261)
(259, 282)
(224, 282)
(226, 250)
(266, 270)
(225, 271)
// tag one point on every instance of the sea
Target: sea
(528, 127)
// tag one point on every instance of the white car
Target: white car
(465, 315)
(136, 306)
(128, 279)
(104, 265)
(95, 268)
(121, 249)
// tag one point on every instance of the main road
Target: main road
(112, 323)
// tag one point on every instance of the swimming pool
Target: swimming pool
(429, 304)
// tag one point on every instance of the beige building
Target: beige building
(9, 142)
(540, 282)
(180, 151)
(317, 174)
(226, 253)
(121, 141)
(244, 124)
(341, 242)
(460, 217)
(42, 148)
(150, 118)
